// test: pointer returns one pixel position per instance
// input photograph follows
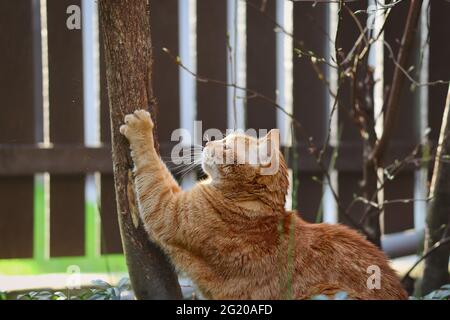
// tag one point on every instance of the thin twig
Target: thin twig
(436, 246)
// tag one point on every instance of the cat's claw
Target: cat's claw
(137, 124)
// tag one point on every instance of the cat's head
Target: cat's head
(244, 160)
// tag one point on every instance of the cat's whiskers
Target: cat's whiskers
(189, 160)
(188, 169)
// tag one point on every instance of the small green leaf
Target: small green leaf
(60, 295)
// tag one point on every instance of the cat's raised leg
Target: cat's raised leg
(156, 189)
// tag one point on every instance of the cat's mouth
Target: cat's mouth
(213, 156)
(208, 165)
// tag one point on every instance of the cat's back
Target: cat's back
(339, 256)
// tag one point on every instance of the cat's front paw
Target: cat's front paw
(138, 125)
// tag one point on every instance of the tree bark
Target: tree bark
(436, 264)
(127, 43)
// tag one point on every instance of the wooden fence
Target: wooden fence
(44, 157)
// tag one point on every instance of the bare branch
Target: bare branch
(393, 105)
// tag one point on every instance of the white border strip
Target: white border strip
(421, 175)
(329, 205)
(236, 63)
(91, 71)
(187, 37)
(45, 177)
(91, 87)
(284, 69)
(45, 81)
(376, 61)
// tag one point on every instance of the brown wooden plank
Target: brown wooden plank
(310, 93)
(62, 159)
(110, 233)
(350, 158)
(164, 25)
(261, 63)
(74, 159)
(349, 189)
(350, 33)
(438, 67)
(309, 196)
(398, 217)
(66, 126)
(405, 130)
(212, 63)
(439, 53)
(18, 87)
(310, 103)
(349, 182)
(16, 217)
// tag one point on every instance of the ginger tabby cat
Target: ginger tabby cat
(232, 235)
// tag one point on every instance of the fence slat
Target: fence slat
(164, 28)
(17, 122)
(348, 186)
(261, 63)
(310, 102)
(212, 63)
(400, 216)
(438, 70)
(348, 183)
(110, 233)
(67, 200)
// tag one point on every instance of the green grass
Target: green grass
(101, 264)
(40, 239)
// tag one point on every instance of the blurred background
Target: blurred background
(57, 204)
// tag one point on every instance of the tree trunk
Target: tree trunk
(436, 264)
(127, 43)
